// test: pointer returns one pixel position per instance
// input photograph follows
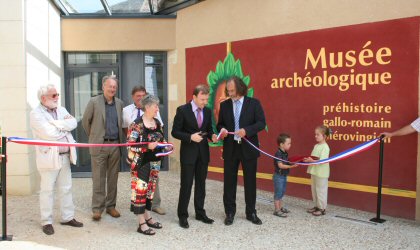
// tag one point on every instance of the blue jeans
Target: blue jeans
(280, 182)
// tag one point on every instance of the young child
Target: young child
(281, 170)
(319, 173)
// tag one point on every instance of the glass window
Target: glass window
(92, 58)
(129, 6)
(153, 58)
(83, 6)
(153, 74)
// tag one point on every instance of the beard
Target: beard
(51, 104)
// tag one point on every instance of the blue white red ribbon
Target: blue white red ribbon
(29, 141)
(347, 153)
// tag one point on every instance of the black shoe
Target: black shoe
(156, 225)
(72, 223)
(48, 229)
(229, 219)
(254, 219)
(183, 222)
(148, 231)
(204, 219)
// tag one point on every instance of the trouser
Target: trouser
(319, 188)
(198, 171)
(61, 181)
(105, 168)
(249, 167)
(156, 196)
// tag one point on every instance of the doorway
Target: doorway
(83, 80)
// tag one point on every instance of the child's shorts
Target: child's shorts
(280, 182)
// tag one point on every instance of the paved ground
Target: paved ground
(299, 231)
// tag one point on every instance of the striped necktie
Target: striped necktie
(237, 115)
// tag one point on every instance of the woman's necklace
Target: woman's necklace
(149, 123)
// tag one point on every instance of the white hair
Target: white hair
(43, 90)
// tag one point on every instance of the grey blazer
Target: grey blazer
(93, 121)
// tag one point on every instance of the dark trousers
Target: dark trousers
(249, 167)
(188, 174)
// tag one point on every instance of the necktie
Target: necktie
(199, 118)
(138, 112)
(237, 115)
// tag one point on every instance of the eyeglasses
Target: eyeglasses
(55, 95)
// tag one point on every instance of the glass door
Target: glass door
(83, 84)
(155, 84)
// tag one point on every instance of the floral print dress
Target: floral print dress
(144, 165)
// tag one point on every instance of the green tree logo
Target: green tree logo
(217, 84)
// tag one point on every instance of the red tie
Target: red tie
(199, 118)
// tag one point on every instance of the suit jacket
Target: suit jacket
(252, 119)
(185, 124)
(44, 127)
(93, 121)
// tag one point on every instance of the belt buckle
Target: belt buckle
(239, 141)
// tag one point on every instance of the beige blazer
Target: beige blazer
(93, 121)
(44, 127)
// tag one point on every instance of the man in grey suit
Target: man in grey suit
(102, 122)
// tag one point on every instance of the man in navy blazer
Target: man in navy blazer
(192, 125)
(245, 117)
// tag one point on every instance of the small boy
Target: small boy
(281, 170)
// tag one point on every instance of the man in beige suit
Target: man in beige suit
(51, 122)
(102, 121)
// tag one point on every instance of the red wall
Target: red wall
(298, 110)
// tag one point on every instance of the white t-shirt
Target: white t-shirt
(130, 114)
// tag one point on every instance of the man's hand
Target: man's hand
(196, 137)
(68, 117)
(214, 138)
(241, 132)
(223, 133)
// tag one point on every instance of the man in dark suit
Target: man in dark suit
(244, 116)
(192, 125)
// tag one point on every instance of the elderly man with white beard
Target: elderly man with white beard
(53, 123)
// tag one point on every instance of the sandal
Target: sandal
(156, 225)
(148, 231)
(312, 210)
(319, 212)
(280, 214)
(284, 210)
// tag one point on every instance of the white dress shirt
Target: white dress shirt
(130, 114)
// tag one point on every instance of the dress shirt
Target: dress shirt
(130, 114)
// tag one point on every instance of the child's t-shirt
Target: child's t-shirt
(284, 156)
(322, 170)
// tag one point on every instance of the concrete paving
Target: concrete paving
(299, 231)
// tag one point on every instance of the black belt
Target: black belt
(110, 139)
(237, 141)
(65, 153)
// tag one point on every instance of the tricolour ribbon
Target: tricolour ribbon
(347, 153)
(29, 141)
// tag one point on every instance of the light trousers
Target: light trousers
(319, 188)
(59, 180)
